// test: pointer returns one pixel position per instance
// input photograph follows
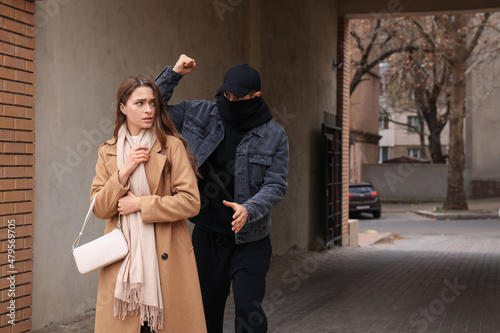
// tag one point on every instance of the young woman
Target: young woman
(146, 176)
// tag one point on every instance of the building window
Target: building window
(384, 122)
(383, 154)
(413, 124)
(413, 152)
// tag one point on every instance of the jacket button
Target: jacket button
(164, 256)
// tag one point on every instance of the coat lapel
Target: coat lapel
(111, 161)
(154, 167)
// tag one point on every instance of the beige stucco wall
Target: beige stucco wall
(86, 48)
(365, 106)
(408, 182)
(364, 121)
(483, 116)
(298, 46)
(362, 153)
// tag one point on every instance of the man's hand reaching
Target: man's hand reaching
(239, 217)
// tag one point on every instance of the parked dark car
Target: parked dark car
(363, 198)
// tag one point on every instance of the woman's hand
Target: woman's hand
(129, 204)
(135, 157)
(184, 65)
(239, 217)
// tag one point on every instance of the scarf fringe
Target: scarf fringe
(129, 302)
(132, 304)
(153, 315)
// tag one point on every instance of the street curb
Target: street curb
(384, 236)
(461, 215)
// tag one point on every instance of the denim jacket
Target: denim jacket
(261, 161)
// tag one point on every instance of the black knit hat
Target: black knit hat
(241, 80)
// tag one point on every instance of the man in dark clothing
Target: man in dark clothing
(242, 156)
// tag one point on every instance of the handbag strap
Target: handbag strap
(89, 213)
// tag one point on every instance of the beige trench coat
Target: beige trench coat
(174, 198)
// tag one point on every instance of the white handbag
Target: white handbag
(100, 252)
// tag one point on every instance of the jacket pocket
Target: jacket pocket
(258, 165)
(194, 132)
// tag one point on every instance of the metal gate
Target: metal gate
(333, 185)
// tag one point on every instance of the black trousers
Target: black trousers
(221, 261)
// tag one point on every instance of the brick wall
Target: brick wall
(485, 189)
(17, 161)
(343, 77)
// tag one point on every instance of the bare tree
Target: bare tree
(425, 76)
(457, 28)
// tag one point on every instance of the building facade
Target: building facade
(400, 138)
(482, 121)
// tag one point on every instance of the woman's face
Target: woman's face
(139, 109)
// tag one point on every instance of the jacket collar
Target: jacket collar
(261, 129)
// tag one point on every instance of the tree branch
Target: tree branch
(358, 40)
(479, 31)
(372, 41)
(427, 37)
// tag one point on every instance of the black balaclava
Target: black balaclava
(242, 116)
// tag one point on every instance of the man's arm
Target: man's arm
(169, 79)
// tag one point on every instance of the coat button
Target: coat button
(164, 256)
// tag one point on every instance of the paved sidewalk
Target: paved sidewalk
(417, 284)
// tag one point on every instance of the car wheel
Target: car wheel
(377, 214)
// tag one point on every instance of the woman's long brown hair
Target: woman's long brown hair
(162, 123)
